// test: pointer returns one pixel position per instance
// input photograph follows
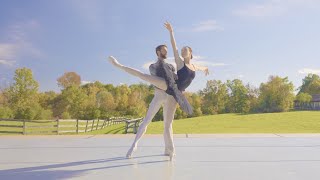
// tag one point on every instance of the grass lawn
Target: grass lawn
(288, 122)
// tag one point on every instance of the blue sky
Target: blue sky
(249, 40)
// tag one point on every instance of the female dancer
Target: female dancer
(185, 70)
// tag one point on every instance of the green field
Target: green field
(288, 122)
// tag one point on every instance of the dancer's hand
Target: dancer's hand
(168, 26)
(113, 61)
(206, 71)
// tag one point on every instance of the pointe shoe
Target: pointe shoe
(167, 152)
(131, 151)
(172, 155)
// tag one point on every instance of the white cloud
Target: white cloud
(85, 82)
(260, 10)
(240, 76)
(7, 50)
(200, 60)
(19, 31)
(18, 43)
(203, 26)
(7, 54)
(270, 8)
(309, 71)
(89, 11)
(209, 25)
(7, 62)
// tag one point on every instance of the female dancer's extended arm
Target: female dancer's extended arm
(178, 60)
(201, 68)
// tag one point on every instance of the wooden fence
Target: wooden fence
(58, 126)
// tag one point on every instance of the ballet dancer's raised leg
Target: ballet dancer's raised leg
(159, 82)
(155, 80)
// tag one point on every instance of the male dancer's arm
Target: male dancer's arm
(153, 71)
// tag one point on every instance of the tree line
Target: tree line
(22, 99)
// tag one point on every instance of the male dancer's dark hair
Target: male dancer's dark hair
(158, 48)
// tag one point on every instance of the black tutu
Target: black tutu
(170, 77)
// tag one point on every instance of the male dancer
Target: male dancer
(161, 98)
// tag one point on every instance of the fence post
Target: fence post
(77, 125)
(135, 127)
(104, 122)
(24, 127)
(97, 124)
(86, 126)
(92, 125)
(58, 126)
(127, 126)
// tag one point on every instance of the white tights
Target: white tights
(161, 98)
(155, 80)
(169, 107)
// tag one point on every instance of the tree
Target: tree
(310, 85)
(179, 113)
(195, 101)
(276, 95)
(3, 98)
(69, 79)
(6, 112)
(121, 98)
(46, 99)
(253, 96)
(24, 87)
(136, 104)
(23, 97)
(106, 103)
(303, 98)
(239, 97)
(215, 97)
(73, 98)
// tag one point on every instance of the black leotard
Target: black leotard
(185, 75)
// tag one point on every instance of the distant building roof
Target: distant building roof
(315, 98)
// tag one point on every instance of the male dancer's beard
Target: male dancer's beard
(163, 56)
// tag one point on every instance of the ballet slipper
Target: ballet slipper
(131, 151)
(171, 155)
